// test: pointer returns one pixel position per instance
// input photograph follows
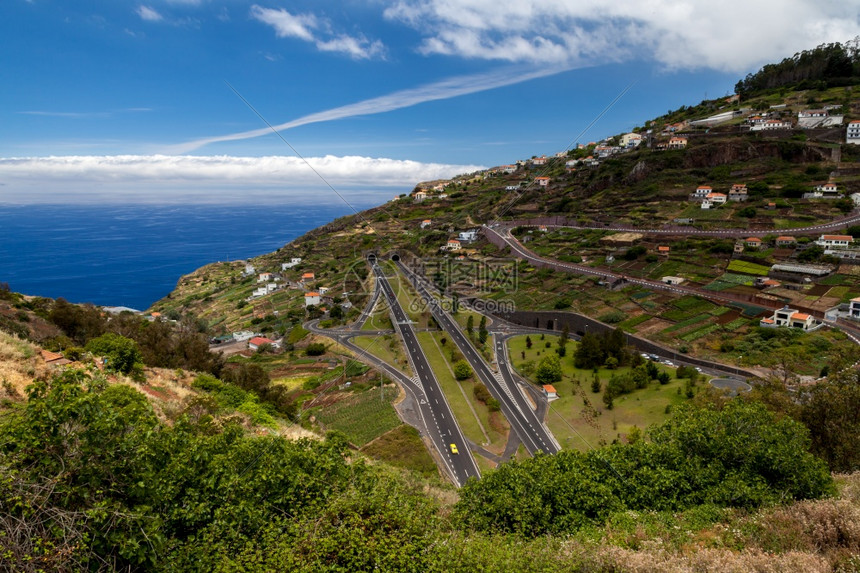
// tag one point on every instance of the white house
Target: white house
(550, 392)
(753, 242)
(312, 298)
(265, 277)
(817, 118)
(542, 181)
(419, 196)
(853, 133)
(425, 223)
(854, 308)
(702, 191)
(249, 269)
(827, 189)
(323, 290)
(293, 262)
(539, 160)
(835, 241)
(243, 335)
(670, 280)
(468, 236)
(771, 124)
(453, 245)
(791, 318)
(706, 204)
(716, 198)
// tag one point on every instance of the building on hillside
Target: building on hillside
(469, 236)
(542, 181)
(716, 198)
(308, 276)
(811, 118)
(670, 280)
(753, 242)
(701, 192)
(629, 140)
(293, 262)
(663, 250)
(854, 308)
(835, 241)
(790, 318)
(738, 192)
(419, 196)
(539, 160)
(550, 392)
(312, 298)
(677, 143)
(785, 241)
(852, 135)
(771, 125)
(258, 341)
(453, 245)
(425, 223)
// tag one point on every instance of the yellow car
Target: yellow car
(454, 449)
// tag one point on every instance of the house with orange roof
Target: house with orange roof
(539, 160)
(785, 241)
(308, 276)
(716, 198)
(663, 250)
(312, 298)
(790, 318)
(258, 341)
(550, 392)
(453, 245)
(542, 181)
(753, 242)
(425, 223)
(677, 143)
(835, 241)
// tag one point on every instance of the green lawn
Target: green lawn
(579, 419)
(387, 348)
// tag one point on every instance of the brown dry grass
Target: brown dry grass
(20, 364)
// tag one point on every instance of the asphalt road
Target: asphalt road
(523, 420)
(439, 419)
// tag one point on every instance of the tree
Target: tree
(462, 370)
(589, 353)
(315, 349)
(470, 324)
(122, 353)
(830, 410)
(528, 342)
(549, 370)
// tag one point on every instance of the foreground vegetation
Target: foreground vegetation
(93, 480)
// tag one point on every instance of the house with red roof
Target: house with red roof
(312, 298)
(542, 181)
(258, 341)
(790, 318)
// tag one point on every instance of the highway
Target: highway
(439, 420)
(523, 420)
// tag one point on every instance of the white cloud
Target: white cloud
(731, 35)
(445, 89)
(310, 28)
(165, 178)
(148, 14)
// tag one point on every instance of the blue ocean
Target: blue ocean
(132, 255)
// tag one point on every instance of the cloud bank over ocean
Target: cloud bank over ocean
(211, 179)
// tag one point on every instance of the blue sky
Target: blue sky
(115, 100)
